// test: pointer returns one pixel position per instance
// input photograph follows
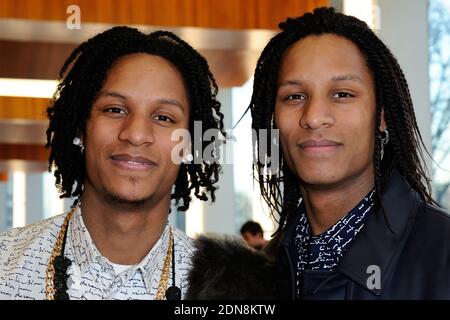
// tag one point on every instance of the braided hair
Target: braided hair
(280, 189)
(81, 79)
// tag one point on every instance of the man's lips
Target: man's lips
(319, 145)
(130, 162)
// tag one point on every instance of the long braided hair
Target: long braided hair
(81, 79)
(280, 189)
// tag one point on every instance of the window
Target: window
(439, 70)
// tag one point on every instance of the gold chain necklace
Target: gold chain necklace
(50, 273)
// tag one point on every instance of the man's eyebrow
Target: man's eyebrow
(112, 94)
(342, 77)
(168, 101)
(347, 77)
(290, 83)
(172, 102)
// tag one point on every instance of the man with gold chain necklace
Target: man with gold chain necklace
(122, 95)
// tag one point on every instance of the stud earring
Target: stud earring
(77, 141)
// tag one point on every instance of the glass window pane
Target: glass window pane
(439, 69)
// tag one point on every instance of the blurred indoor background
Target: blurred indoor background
(36, 38)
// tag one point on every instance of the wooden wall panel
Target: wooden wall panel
(32, 59)
(23, 152)
(224, 14)
(43, 60)
(3, 176)
(23, 108)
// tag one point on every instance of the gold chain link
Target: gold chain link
(50, 274)
(165, 273)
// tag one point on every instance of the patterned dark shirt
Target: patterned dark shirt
(323, 252)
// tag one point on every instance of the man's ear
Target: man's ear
(383, 125)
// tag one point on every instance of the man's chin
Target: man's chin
(128, 201)
(319, 180)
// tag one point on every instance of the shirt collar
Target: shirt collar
(83, 248)
(152, 264)
(343, 230)
(324, 251)
(85, 253)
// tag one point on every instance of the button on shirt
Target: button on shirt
(323, 252)
(25, 252)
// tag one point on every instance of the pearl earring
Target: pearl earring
(76, 141)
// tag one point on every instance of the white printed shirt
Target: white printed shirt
(24, 255)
